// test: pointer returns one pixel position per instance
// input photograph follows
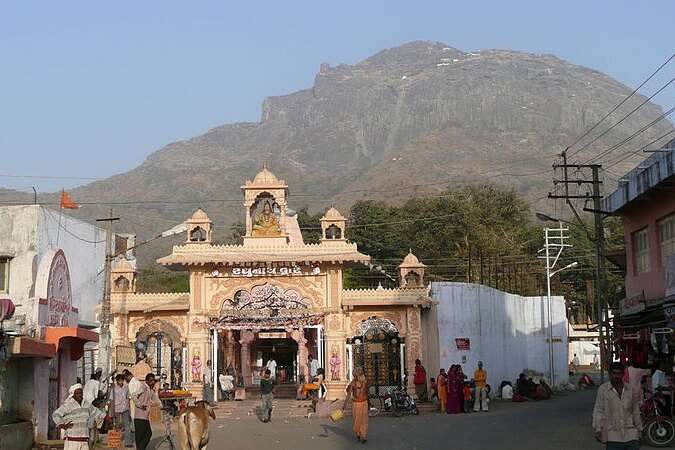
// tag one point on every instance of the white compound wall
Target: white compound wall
(507, 332)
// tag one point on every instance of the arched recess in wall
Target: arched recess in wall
(161, 344)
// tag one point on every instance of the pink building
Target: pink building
(645, 318)
(645, 199)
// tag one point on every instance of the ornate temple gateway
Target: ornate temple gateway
(275, 297)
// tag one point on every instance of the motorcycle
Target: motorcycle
(659, 430)
(400, 402)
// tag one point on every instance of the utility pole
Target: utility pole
(598, 239)
(554, 244)
(105, 344)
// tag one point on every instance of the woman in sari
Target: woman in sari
(460, 388)
(442, 390)
(453, 391)
(357, 391)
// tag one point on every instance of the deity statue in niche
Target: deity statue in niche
(266, 223)
(196, 368)
(335, 363)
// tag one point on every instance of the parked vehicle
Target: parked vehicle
(401, 402)
(659, 429)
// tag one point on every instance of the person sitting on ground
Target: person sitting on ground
(586, 382)
(226, 382)
(305, 389)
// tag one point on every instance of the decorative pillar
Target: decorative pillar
(298, 336)
(246, 338)
(229, 349)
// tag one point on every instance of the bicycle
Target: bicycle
(168, 441)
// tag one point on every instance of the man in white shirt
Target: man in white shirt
(92, 387)
(272, 367)
(135, 388)
(616, 416)
(313, 366)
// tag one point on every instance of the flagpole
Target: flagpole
(58, 229)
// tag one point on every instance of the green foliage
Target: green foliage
(163, 281)
(310, 225)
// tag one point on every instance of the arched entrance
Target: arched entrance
(160, 342)
(378, 348)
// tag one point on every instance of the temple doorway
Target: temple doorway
(283, 351)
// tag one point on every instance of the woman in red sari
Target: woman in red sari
(454, 390)
(460, 388)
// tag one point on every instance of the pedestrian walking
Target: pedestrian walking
(480, 380)
(420, 381)
(616, 415)
(77, 417)
(357, 391)
(121, 410)
(143, 402)
(267, 395)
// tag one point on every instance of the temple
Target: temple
(275, 297)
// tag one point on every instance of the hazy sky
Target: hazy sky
(89, 89)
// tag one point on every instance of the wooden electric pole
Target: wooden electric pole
(104, 344)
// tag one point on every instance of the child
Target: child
(266, 387)
(466, 391)
(434, 391)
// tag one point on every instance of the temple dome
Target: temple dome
(265, 177)
(333, 214)
(411, 261)
(199, 216)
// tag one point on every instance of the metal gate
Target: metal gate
(378, 349)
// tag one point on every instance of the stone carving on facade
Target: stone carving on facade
(311, 288)
(267, 296)
(196, 367)
(356, 320)
(335, 363)
(414, 321)
(266, 223)
(335, 323)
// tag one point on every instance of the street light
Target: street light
(550, 275)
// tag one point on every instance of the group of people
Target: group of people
(453, 390)
(79, 417)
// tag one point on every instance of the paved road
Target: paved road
(562, 423)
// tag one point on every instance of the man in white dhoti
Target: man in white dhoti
(77, 416)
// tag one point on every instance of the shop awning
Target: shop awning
(73, 336)
(25, 347)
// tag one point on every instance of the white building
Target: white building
(509, 333)
(52, 267)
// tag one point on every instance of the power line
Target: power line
(638, 151)
(619, 104)
(622, 119)
(629, 138)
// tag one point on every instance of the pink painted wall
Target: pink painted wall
(640, 214)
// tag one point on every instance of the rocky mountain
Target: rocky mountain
(407, 121)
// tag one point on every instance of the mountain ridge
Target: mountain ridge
(423, 113)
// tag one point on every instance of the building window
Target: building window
(669, 163)
(4, 274)
(667, 237)
(641, 250)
